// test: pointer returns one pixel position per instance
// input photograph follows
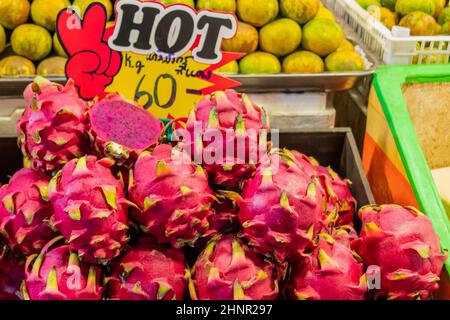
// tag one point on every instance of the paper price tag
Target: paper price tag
(163, 57)
(162, 84)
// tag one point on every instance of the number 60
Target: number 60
(155, 97)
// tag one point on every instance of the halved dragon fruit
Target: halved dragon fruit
(121, 129)
(148, 271)
(53, 128)
(58, 274)
(401, 242)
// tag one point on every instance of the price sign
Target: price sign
(163, 57)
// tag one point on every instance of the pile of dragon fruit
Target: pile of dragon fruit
(107, 208)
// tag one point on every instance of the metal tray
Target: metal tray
(326, 81)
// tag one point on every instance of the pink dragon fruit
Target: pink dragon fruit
(329, 272)
(173, 196)
(228, 270)
(343, 234)
(341, 204)
(57, 274)
(53, 128)
(90, 208)
(339, 195)
(148, 271)
(225, 218)
(122, 130)
(11, 275)
(400, 241)
(236, 119)
(25, 212)
(282, 207)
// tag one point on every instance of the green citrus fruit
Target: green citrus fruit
(444, 16)
(440, 5)
(446, 28)
(345, 46)
(230, 68)
(257, 13)
(404, 7)
(45, 12)
(217, 5)
(15, 66)
(344, 61)
(245, 40)
(260, 63)
(389, 4)
(322, 36)
(57, 46)
(300, 10)
(2, 39)
(31, 41)
(13, 13)
(303, 62)
(280, 37)
(427, 57)
(420, 24)
(53, 66)
(384, 15)
(368, 3)
(324, 13)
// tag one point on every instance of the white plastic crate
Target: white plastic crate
(286, 112)
(392, 47)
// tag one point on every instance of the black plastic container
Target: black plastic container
(335, 148)
(331, 147)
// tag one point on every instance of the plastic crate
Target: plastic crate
(393, 157)
(387, 47)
